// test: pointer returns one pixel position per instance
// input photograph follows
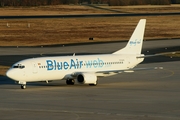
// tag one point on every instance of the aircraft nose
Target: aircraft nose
(10, 74)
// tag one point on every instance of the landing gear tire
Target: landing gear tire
(70, 82)
(23, 86)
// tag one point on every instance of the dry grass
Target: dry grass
(3, 70)
(50, 10)
(80, 9)
(65, 31)
(145, 8)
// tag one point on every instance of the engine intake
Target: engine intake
(87, 78)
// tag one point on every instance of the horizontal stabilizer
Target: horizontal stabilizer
(158, 54)
(129, 71)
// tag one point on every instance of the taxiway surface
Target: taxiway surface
(147, 95)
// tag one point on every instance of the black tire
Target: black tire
(70, 82)
(23, 86)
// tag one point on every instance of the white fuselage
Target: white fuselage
(59, 68)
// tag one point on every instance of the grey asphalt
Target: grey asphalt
(142, 95)
(88, 15)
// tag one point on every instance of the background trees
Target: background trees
(110, 2)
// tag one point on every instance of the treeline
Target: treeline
(35, 2)
(110, 2)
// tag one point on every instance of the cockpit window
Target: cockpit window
(15, 66)
(19, 66)
(22, 66)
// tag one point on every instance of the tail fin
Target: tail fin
(134, 45)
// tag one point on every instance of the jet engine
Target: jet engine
(87, 78)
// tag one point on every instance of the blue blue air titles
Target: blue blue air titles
(135, 42)
(73, 64)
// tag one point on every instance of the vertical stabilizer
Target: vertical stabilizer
(134, 45)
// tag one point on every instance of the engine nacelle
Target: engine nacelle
(87, 78)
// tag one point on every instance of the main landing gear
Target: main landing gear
(70, 81)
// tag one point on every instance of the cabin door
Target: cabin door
(34, 68)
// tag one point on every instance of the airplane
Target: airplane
(83, 69)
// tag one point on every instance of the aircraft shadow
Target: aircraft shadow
(54, 84)
(6, 81)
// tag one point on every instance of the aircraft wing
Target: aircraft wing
(112, 72)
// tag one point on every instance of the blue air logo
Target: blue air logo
(94, 63)
(135, 42)
(73, 64)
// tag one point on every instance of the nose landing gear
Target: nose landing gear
(23, 86)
